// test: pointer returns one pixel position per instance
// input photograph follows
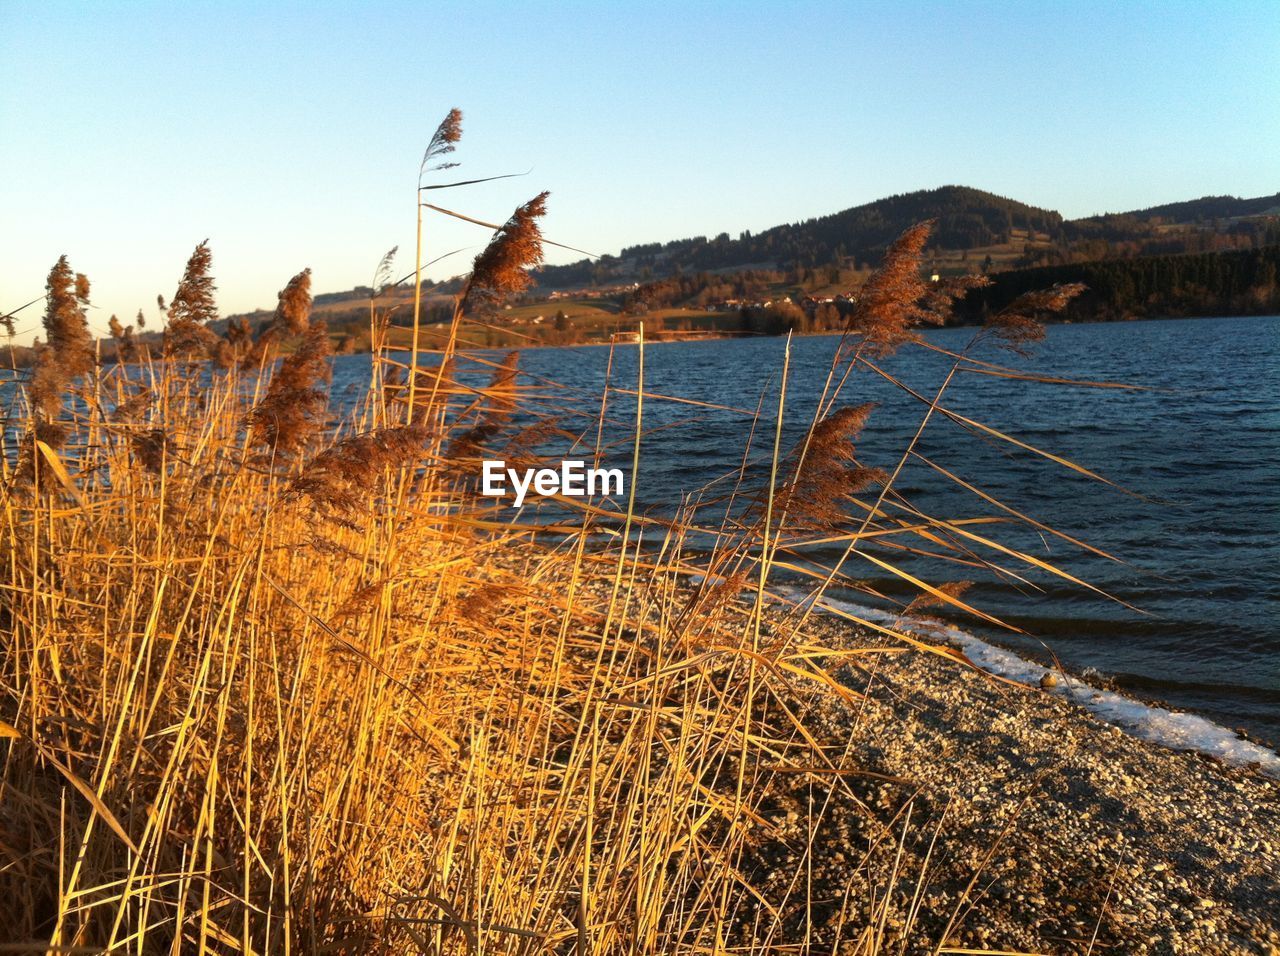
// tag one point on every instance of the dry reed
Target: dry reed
(192, 308)
(429, 729)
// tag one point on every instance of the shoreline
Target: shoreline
(744, 336)
(722, 337)
(1144, 717)
(1069, 826)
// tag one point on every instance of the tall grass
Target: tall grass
(274, 679)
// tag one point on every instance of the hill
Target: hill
(972, 226)
(966, 219)
(1202, 210)
(702, 286)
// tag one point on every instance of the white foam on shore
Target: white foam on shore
(1174, 729)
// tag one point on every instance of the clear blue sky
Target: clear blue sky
(290, 135)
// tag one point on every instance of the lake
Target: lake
(1199, 446)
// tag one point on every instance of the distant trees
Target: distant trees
(701, 290)
(1215, 283)
(776, 318)
(564, 331)
(827, 318)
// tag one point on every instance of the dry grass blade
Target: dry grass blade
(54, 463)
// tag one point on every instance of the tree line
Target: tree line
(1238, 282)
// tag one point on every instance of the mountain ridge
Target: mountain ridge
(966, 219)
(1031, 237)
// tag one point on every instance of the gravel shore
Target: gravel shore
(1025, 824)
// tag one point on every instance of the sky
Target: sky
(290, 135)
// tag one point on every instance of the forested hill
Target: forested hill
(1015, 234)
(966, 219)
(1201, 210)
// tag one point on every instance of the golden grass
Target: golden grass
(277, 685)
(400, 729)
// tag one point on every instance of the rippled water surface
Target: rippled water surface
(1201, 445)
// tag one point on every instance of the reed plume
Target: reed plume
(501, 270)
(192, 307)
(339, 479)
(497, 272)
(257, 350)
(134, 407)
(47, 383)
(67, 352)
(66, 328)
(891, 301)
(399, 387)
(238, 332)
(378, 324)
(42, 431)
(926, 599)
(1019, 324)
(122, 335)
(234, 344)
(896, 298)
(152, 447)
(382, 275)
(294, 307)
(223, 355)
(942, 295)
(443, 141)
(481, 606)
(500, 403)
(824, 482)
(295, 402)
(502, 385)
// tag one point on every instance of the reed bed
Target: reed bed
(274, 679)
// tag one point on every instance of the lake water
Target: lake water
(1201, 444)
